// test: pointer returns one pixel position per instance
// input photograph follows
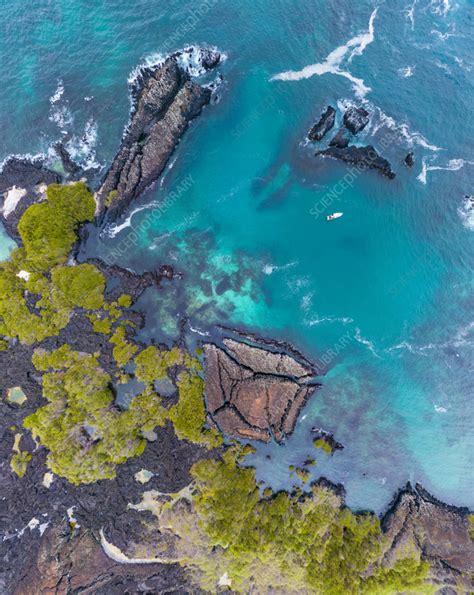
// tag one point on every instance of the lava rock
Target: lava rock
(323, 125)
(362, 157)
(24, 173)
(356, 119)
(70, 166)
(409, 160)
(340, 140)
(165, 104)
(209, 58)
(254, 393)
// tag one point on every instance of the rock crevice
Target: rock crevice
(255, 393)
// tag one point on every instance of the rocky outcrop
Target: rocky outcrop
(255, 393)
(26, 178)
(165, 103)
(362, 157)
(356, 119)
(440, 533)
(323, 125)
(409, 160)
(325, 440)
(340, 140)
(70, 166)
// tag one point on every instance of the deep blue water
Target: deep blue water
(387, 288)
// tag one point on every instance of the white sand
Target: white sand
(12, 198)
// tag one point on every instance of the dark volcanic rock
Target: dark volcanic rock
(409, 160)
(70, 166)
(25, 174)
(340, 140)
(362, 157)
(255, 393)
(440, 533)
(28, 176)
(356, 119)
(324, 124)
(209, 58)
(167, 101)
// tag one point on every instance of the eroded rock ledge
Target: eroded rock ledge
(165, 103)
(255, 393)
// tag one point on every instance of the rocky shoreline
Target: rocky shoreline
(166, 101)
(255, 390)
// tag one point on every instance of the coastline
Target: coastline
(134, 284)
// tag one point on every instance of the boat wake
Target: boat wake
(334, 62)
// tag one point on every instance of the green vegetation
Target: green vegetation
(189, 414)
(36, 299)
(124, 350)
(284, 543)
(111, 196)
(323, 445)
(82, 285)
(86, 436)
(48, 229)
(471, 525)
(20, 458)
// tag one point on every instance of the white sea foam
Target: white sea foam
(82, 148)
(188, 59)
(440, 409)
(59, 112)
(112, 230)
(58, 93)
(269, 269)
(466, 212)
(333, 64)
(370, 346)
(380, 120)
(341, 319)
(406, 72)
(440, 7)
(452, 165)
(409, 12)
(462, 338)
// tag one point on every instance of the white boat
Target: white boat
(334, 216)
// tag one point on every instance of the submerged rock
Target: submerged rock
(340, 140)
(326, 441)
(70, 166)
(356, 119)
(409, 160)
(362, 157)
(165, 104)
(253, 392)
(323, 125)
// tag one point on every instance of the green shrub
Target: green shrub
(82, 285)
(48, 229)
(85, 436)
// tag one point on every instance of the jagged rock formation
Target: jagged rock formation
(255, 393)
(356, 119)
(323, 125)
(439, 532)
(362, 157)
(165, 104)
(409, 160)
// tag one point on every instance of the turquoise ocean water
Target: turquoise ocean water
(382, 298)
